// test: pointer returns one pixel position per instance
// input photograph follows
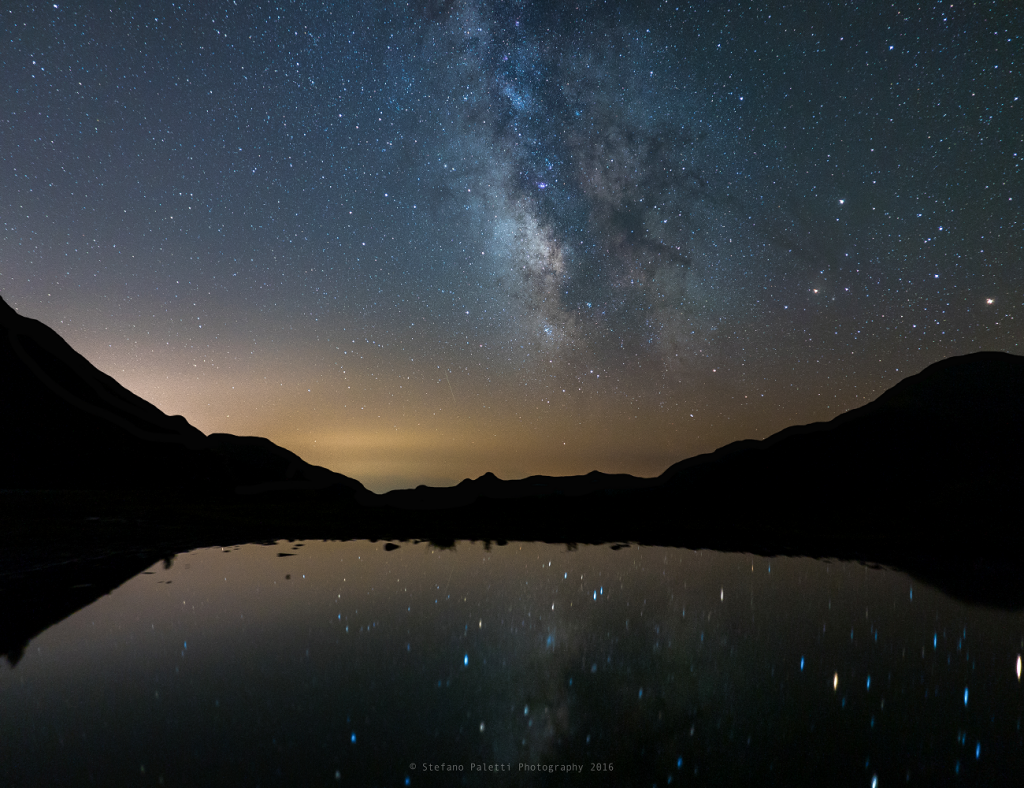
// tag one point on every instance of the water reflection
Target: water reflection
(358, 663)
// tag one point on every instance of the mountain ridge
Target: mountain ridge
(96, 483)
(934, 445)
(69, 425)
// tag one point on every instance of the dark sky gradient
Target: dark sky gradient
(417, 242)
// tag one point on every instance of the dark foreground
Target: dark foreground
(63, 550)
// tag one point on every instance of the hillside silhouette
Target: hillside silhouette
(96, 482)
(942, 443)
(69, 426)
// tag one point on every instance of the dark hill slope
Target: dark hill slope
(926, 478)
(66, 425)
(941, 446)
(941, 450)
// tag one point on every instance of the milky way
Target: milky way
(417, 242)
(586, 176)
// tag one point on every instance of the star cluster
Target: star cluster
(415, 242)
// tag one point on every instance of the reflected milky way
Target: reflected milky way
(299, 662)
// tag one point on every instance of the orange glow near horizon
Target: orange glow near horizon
(418, 433)
(393, 423)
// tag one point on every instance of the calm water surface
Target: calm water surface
(326, 663)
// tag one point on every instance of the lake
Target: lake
(355, 663)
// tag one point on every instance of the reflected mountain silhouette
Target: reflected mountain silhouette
(38, 596)
(35, 600)
(95, 482)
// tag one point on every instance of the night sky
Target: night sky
(417, 242)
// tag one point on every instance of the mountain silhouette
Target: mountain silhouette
(940, 449)
(942, 443)
(944, 440)
(66, 425)
(96, 482)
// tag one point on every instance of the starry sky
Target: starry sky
(415, 242)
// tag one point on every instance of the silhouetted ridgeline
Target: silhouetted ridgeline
(939, 450)
(69, 426)
(96, 484)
